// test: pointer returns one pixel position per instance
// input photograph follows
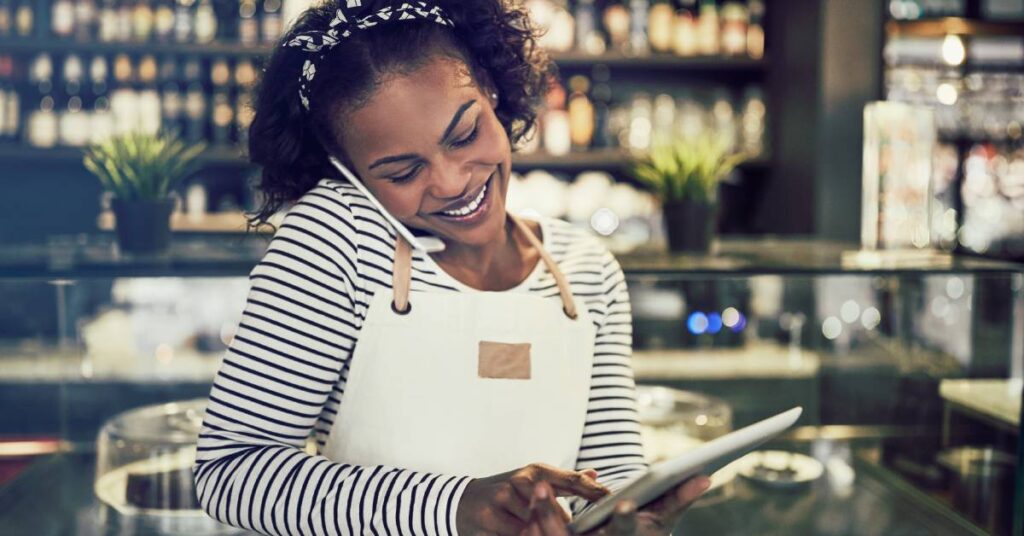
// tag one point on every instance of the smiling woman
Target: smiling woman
(456, 392)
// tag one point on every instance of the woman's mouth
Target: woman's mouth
(472, 211)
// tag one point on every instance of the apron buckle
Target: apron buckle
(394, 307)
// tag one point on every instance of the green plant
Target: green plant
(687, 170)
(138, 166)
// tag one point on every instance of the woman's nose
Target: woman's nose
(450, 181)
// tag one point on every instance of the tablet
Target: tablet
(705, 459)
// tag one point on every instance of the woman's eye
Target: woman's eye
(468, 139)
(407, 177)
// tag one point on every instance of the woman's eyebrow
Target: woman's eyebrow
(447, 132)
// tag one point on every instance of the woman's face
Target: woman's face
(430, 148)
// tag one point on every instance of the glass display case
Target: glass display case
(909, 371)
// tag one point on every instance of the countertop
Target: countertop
(193, 254)
(996, 399)
(54, 497)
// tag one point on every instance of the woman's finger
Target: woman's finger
(572, 482)
(512, 500)
(545, 512)
(680, 498)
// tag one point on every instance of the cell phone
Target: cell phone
(419, 240)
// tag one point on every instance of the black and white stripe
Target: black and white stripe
(284, 377)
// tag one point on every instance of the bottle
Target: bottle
(125, 22)
(248, 25)
(588, 38)
(638, 43)
(753, 121)
(163, 21)
(222, 113)
(659, 25)
(245, 82)
(555, 121)
(195, 103)
(142, 21)
(101, 119)
(41, 124)
(724, 119)
(24, 18)
(685, 40)
(109, 21)
(734, 28)
(755, 31)
(616, 23)
(148, 95)
(581, 114)
(86, 20)
(273, 21)
(171, 99)
(124, 99)
(62, 18)
(73, 119)
(6, 18)
(205, 27)
(708, 29)
(602, 98)
(8, 92)
(183, 21)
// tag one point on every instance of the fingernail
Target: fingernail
(705, 483)
(541, 492)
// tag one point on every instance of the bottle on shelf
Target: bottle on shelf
(616, 23)
(638, 40)
(660, 23)
(142, 21)
(735, 18)
(588, 37)
(555, 122)
(685, 32)
(245, 84)
(24, 18)
(163, 21)
(125, 22)
(73, 120)
(602, 99)
(723, 116)
(581, 114)
(108, 21)
(273, 21)
(149, 95)
(753, 112)
(663, 118)
(708, 28)
(41, 123)
(6, 18)
(205, 27)
(97, 101)
(248, 23)
(62, 18)
(172, 102)
(183, 21)
(124, 99)
(755, 31)
(10, 101)
(86, 20)
(195, 102)
(222, 113)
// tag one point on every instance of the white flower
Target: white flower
(308, 70)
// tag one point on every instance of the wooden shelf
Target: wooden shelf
(723, 64)
(213, 222)
(219, 156)
(953, 25)
(59, 46)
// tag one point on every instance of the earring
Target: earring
(494, 97)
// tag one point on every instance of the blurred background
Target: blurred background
(852, 247)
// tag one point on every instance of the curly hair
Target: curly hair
(291, 145)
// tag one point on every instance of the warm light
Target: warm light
(947, 94)
(953, 52)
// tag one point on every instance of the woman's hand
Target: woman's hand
(500, 504)
(658, 518)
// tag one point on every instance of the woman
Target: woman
(456, 392)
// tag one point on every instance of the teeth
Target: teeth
(470, 208)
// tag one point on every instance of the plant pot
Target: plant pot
(143, 226)
(690, 225)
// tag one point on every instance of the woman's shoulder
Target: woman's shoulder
(574, 245)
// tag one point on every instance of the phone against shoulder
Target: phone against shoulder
(418, 239)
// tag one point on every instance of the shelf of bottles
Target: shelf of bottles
(964, 59)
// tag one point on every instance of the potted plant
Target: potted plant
(140, 171)
(684, 175)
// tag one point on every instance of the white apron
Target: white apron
(466, 383)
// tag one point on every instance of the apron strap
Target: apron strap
(402, 273)
(401, 276)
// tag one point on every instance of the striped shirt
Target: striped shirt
(283, 378)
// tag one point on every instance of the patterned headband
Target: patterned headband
(352, 18)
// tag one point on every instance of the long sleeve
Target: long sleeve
(611, 436)
(279, 384)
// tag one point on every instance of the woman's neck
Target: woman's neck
(497, 265)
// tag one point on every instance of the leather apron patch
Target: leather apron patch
(504, 361)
